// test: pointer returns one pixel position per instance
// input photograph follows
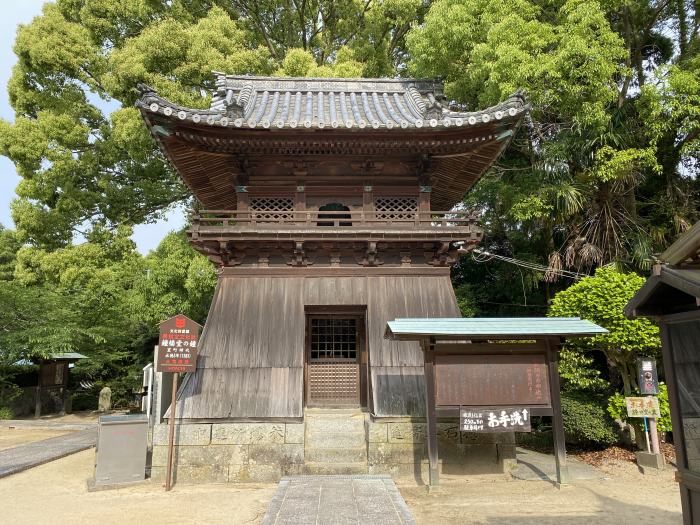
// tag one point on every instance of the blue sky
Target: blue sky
(146, 236)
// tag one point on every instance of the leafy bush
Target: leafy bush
(586, 422)
(6, 413)
(617, 408)
(84, 401)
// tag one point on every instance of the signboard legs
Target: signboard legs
(171, 436)
(557, 421)
(431, 412)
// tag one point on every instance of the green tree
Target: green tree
(79, 144)
(605, 170)
(601, 299)
(176, 279)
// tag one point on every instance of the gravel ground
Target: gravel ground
(623, 497)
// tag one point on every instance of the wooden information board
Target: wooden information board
(509, 380)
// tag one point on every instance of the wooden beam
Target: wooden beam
(428, 346)
(557, 419)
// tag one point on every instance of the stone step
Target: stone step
(335, 426)
(334, 468)
(334, 440)
(335, 455)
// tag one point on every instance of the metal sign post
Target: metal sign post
(177, 353)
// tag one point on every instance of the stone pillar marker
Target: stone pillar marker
(105, 402)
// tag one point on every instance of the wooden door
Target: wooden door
(334, 347)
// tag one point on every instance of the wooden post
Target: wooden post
(557, 420)
(37, 405)
(171, 436)
(654, 434)
(431, 413)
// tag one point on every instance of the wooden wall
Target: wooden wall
(252, 349)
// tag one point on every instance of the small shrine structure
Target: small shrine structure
(53, 378)
(671, 296)
(330, 206)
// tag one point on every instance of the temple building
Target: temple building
(330, 206)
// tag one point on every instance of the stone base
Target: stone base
(649, 463)
(265, 452)
(93, 486)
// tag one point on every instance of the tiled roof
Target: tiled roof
(491, 327)
(270, 103)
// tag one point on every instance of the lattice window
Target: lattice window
(396, 208)
(333, 338)
(272, 209)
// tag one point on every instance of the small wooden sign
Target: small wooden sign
(177, 345)
(500, 419)
(643, 407)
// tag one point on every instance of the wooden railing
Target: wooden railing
(336, 219)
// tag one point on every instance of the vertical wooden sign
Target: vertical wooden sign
(177, 353)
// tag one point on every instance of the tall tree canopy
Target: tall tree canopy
(604, 171)
(79, 145)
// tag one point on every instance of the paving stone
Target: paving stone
(338, 500)
(23, 457)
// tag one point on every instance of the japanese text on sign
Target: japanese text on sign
(504, 419)
(177, 346)
(642, 407)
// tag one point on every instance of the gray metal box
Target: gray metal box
(122, 443)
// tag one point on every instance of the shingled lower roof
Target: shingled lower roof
(318, 103)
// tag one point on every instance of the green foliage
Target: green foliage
(601, 299)
(466, 300)
(6, 413)
(601, 173)
(567, 63)
(101, 299)
(577, 372)
(83, 162)
(84, 401)
(586, 422)
(617, 408)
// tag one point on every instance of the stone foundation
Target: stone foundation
(264, 452)
(399, 448)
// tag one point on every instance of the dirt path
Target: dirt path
(60, 486)
(624, 497)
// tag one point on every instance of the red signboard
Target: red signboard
(177, 345)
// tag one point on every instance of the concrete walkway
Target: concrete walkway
(537, 466)
(23, 457)
(45, 424)
(337, 500)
